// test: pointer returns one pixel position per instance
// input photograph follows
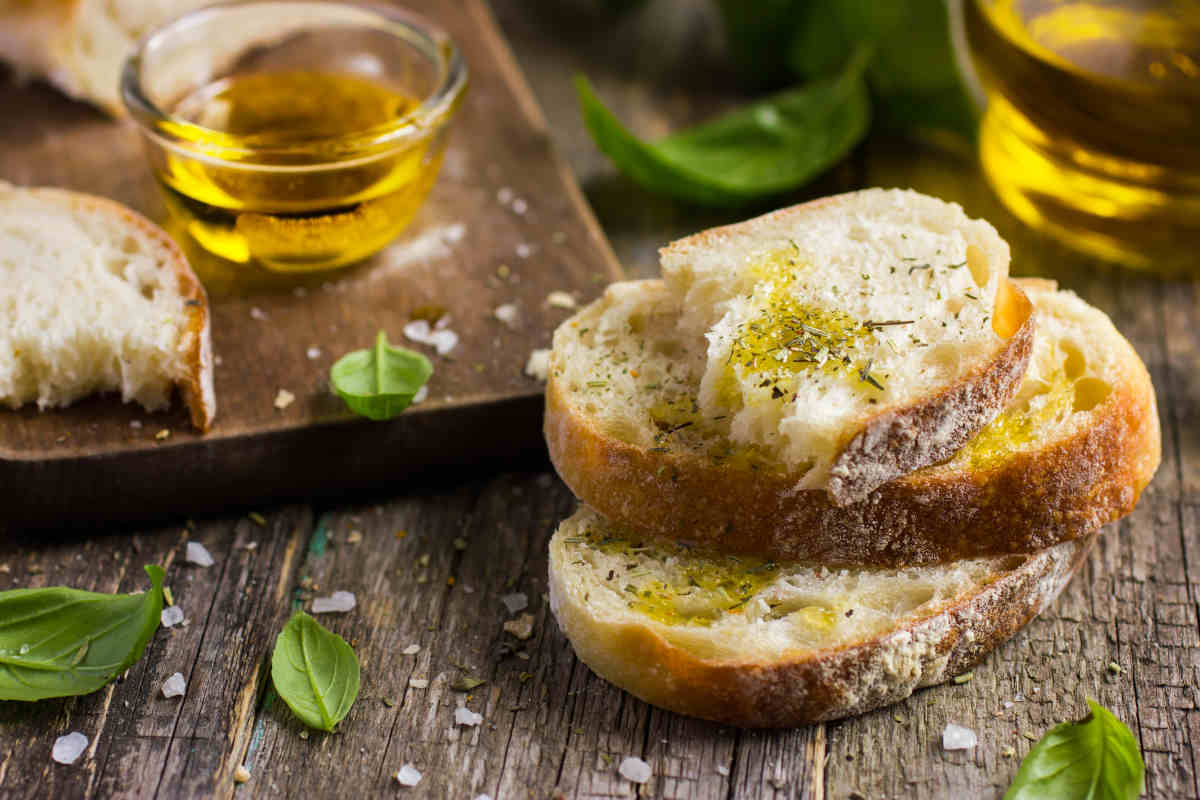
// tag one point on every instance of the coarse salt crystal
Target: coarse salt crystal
(68, 749)
(313, 353)
(171, 616)
(956, 737)
(465, 716)
(411, 650)
(519, 206)
(258, 314)
(1008, 703)
(198, 554)
(337, 602)
(284, 399)
(634, 769)
(722, 770)
(507, 313)
(418, 330)
(484, 797)
(561, 300)
(174, 686)
(443, 341)
(538, 365)
(504, 196)
(420, 396)
(135, 423)
(524, 250)
(418, 683)
(408, 776)
(515, 602)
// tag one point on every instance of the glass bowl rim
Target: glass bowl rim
(210, 144)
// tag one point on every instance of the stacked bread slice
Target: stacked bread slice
(834, 455)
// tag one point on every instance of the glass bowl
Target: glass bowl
(294, 136)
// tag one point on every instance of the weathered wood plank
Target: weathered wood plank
(141, 741)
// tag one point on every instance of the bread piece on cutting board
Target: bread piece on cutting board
(628, 433)
(95, 298)
(80, 45)
(760, 644)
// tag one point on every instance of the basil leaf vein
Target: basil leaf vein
(1096, 758)
(59, 642)
(768, 147)
(315, 672)
(381, 381)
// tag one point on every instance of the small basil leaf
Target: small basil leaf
(1096, 758)
(58, 642)
(381, 381)
(769, 147)
(315, 672)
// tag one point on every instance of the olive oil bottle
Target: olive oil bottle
(1093, 123)
(310, 170)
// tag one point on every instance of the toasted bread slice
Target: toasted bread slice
(627, 432)
(856, 338)
(80, 45)
(754, 643)
(95, 298)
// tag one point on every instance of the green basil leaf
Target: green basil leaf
(381, 381)
(58, 642)
(315, 672)
(769, 147)
(1096, 758)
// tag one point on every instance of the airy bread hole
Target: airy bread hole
(637, 323)
(1074, 364)
(977, 262)
(148, 289)
(1012, 309)
(1090, 392)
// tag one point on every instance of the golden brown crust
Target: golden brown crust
(898, 441)
(825, 684)
(196, 386)
(1028, 501)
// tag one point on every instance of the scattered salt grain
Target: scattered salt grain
(561, 300)
(411, 650)
(468, 589)
(465, 716)
(519, 206)
(1008, 703)
(521, 627)
(408, 776)
(198, 554)
(420, 396)
(442, 339)
(956, 737)
(258, 314)
(524, 250)
(538, 365)
(504, 196)
(135, 423)
(68, 749)
(507, 313)
(284, 399)
(418, 683)
(484, 797)
(337, 602)
(171, 616)
(174, 686)
(634, 769)
(1018, 697)
(515, 602)
(722, 770)
(313, 353)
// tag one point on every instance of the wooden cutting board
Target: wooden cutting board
(467, 252)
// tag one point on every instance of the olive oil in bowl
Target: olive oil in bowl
(1092, 129)
(293, 193)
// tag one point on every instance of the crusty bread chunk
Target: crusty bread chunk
(750, 642)
(855, 338)
(80, 45)
(95, 298)
(628, 432)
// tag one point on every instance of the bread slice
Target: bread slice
(754, 643)
(855, 338)
(96, 298)
(80, 45)
(627, 432)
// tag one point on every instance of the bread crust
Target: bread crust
(1028, 501)
(824, 684)
(196, 385)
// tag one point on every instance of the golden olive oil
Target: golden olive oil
(1093, 123)
(299, 181)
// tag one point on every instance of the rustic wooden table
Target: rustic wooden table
(430, 562)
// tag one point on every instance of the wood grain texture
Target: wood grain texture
(551, 728)
(467, 253)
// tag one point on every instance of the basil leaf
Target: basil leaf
(766, 148)
(1096, 758)
(381, 381)
(59, 642)
(315, 672)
